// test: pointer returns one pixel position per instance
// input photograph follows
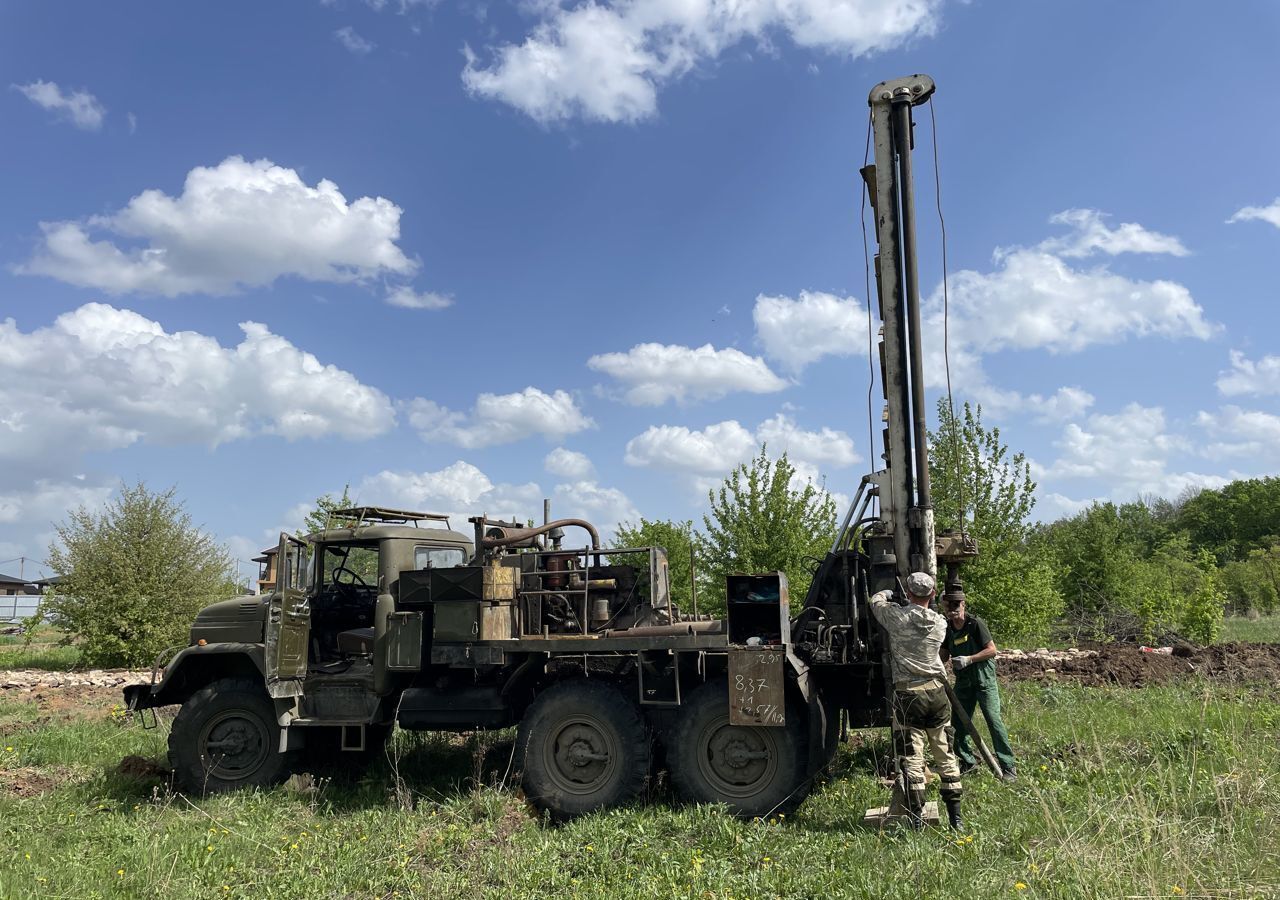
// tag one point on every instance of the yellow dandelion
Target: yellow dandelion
(1177, 890)
(120, 872)
(8, 749)
(1020, 886)
(208, 849)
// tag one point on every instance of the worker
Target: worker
(921, 708)
(973, 657)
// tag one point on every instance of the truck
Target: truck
(393, 619)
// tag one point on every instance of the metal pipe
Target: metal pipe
(848, 517)
(517, 535)
(715, 626)
(902, 103)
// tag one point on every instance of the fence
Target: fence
(15, 607)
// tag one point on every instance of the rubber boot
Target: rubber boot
(915, 809)
(953, 812)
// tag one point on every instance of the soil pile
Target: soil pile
(1128, 666)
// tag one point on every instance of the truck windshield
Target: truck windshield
(437, 557)
(351, 564)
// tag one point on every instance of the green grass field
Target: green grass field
(1264, 629)
(1157, 792)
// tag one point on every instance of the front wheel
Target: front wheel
(226, 737)
(584, 747)
(753, 770)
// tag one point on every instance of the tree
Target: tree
(134, 576)
(363, 561)
(677, 539)
(762, 521)
(978, 486)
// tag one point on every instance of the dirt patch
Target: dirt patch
(139, 768)
(28, 781)
(1128, 666)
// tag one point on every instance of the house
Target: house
(267, 570)
(10, 586)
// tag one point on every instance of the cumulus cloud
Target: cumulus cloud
(1248, 433)
(80, 108)
(800, 331)
(407, 298)
(347, 37)
(500, 418)
(569, 464)
(1091, 235)
(1035, 299)
(606, 61)
(462, 490)
(1249, 377)
(1258, 213)
(656, 373)
(237, 224)
(46, 501)
(1128, 453)
(704, 455)
(104, 378)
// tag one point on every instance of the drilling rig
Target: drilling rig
(390, 618)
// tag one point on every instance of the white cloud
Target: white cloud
(46, 501)
(1035, 299)
(1259, 213)
(603, 507)
(1252, 434)
(815, 324)
(103, 378)
(407, 298)
(237, 224)
(1249, 377)
(347, 37)
(133, 123)
(80, 108)
(458, 491)
(569, 464)
(657, 373)
(607, 61)
(711, 452)
(500, 418)
(1092, 235)
(1128, 453)
(461, 490)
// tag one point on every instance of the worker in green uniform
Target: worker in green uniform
(973, 658)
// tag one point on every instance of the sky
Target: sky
(465, 256)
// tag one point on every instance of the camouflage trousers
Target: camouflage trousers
(922, 714)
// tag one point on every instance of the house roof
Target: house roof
(9, 579)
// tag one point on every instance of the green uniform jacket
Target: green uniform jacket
(967, 640)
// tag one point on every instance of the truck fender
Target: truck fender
(191, 669)
(817, 713)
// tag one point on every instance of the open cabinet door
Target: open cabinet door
(288, 621)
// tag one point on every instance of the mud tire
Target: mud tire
(225, 737)
(584, 747)
(701, 752)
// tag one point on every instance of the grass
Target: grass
(42, 652)
(1264, 629)
(1163, 791)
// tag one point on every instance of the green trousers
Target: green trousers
(985, 694)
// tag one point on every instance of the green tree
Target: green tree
(134, 576)
(760, 522)
(674, 537)
(321, 517)
(983, 489)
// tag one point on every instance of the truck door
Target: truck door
(288, 621)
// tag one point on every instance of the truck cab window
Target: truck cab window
(437, 557)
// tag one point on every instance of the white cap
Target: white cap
(920, 584)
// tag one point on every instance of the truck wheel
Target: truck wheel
(226, 737)
(585, 747)
(755, 771)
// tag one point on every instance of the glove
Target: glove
(959, 662)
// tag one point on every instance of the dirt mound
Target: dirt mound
(1128, 666)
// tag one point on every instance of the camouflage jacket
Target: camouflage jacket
(915, 635)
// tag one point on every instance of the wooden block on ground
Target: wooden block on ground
(880, 816)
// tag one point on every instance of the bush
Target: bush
(133, 577)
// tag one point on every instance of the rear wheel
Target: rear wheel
(584, 747)
(226, 737)
(755, 771)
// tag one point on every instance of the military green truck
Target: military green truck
(396, 620)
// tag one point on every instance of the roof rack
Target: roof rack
(363, 514)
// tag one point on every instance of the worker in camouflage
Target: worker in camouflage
(972, 652)
(921, 708)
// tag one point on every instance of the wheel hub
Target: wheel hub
(581, 755)
(234, 745)
(739, 761)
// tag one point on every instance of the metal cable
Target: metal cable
(866, 267)
(946, 316)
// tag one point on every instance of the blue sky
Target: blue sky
(464, 256)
